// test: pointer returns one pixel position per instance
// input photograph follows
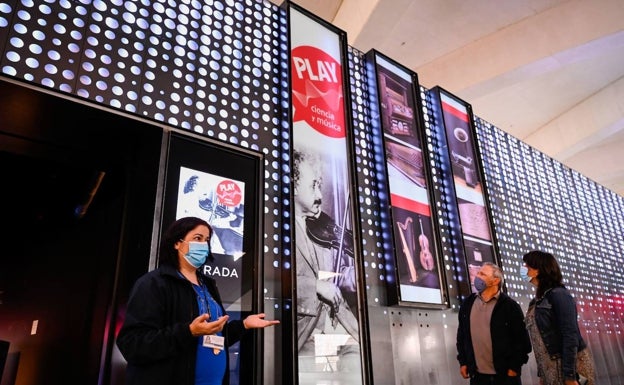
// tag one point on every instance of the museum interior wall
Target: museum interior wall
(91, 93)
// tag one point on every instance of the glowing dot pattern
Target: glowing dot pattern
(375, 235)
(212, 67)
(538, 203)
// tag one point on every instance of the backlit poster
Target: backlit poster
(417, 259)
(222, 185)
(219, 185)
(328, 332)
(220, 202)
(469, 190)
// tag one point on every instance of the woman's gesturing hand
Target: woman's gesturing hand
(256, 321)
(199, 326)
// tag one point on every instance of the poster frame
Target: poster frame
(417, 135)
(227, 161)
(463, 265)
(360, 297)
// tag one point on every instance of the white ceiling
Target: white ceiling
(549, 72)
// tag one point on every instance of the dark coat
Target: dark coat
(511, 344)
(155, 338)
(557, 320)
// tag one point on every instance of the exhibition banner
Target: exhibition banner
(328, 328)
(473, 213)
(419, 278)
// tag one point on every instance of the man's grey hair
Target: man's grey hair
(497, 272)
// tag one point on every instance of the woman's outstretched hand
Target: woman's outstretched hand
(257, 321)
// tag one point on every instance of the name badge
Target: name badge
(214, 342)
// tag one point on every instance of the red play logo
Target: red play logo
(317, 91)
(228, 193)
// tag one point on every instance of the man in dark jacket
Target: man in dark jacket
(492, 340)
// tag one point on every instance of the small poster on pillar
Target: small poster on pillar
(220, 186)
(220, 201)
(328, 327)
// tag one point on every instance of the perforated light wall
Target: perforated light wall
(538, 203)
(217, 68)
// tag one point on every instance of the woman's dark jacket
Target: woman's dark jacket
(556, 319)
(510, 340)
(155, 338)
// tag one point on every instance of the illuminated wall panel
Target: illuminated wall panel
(397, 329)
(329, 332)
(538, 203)
(216, 68)
(473, 236)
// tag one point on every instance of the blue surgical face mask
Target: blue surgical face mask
(480, 284)
(197, 253)
(524, 274)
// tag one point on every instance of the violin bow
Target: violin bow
(343, 230)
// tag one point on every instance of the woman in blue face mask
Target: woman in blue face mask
(561, 354)
(176, 329)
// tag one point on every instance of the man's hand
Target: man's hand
(463, 370)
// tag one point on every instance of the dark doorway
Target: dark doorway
(77, 205)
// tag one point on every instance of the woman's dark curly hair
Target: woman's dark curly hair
(549, 275)
(175, 232)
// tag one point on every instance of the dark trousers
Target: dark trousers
(494, 379)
